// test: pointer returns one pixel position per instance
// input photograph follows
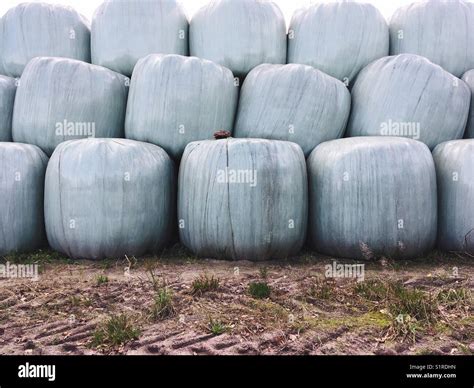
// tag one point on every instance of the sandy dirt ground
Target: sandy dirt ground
(63, 311)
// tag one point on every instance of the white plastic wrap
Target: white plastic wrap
(7, 98)
(440, 30)
(372, 196)
(339, 38)
(292, 102)
(407, 95)
(106, 198)
(123, 31)
(468, 78)
(62, 99)
(22, 171)
(239, 34)
(43, 30)
(455, 176)
(243, 199)
(175, 100)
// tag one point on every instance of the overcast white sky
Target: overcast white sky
(87, 7)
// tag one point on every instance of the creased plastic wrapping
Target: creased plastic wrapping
(43, 30)
(243, 199)
(7, 99)
(407, 95)
(468, 78)
(123, 31)
(442, 31)
(239, 34)
(62, 99)
(22, 171)
(106, 198)
(175, 100)
(372, 196)
(339, 38)
(292, 102)
(455, 175)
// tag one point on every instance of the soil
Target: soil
(305, 313)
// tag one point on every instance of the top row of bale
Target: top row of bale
(338, 38)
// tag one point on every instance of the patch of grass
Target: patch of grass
(204, 283)
(322, 289)
(373, 289)
(405, 326)
(102, 279)
(415, 303)
(410, 310)
(455, 297)
(163, 306)
(464, 349)
(40, 257)
(398, 299)
(216, 327)
(115, 331)
(78, 301)
(259, 290)
(263, 271)
(271, 312)
(374, 320)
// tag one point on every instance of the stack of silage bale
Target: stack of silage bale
(371, 193)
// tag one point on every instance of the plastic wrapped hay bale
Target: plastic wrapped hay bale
(243, 198)
(372, 196)
(339, 38)
(442, 31)
(7, 98)
(407, 95)
(123, 31)
(2, 68)
(62, 99)
(175, 100)
(109, 198)
(22, 171)
(468, 78)
(455, 175)
(43, 30)
(239, 34)
(292, 102)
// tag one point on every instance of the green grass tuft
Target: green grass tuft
(163, 306)
(259, 290)
(203, 284)
(216, 327)
(115, 331)
(102, 279)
